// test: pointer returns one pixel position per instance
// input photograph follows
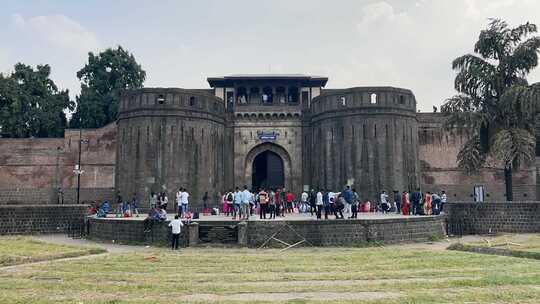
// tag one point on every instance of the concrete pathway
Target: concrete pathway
(63, 239)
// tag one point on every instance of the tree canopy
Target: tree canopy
(495, 105)
(103, 78)
(31, 105)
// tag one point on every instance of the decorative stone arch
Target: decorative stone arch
(272, 147)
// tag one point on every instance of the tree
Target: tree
(495, 107)
(103, 78)
(31, 104)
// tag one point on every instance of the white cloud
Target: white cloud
(59, 30)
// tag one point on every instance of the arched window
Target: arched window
(292, 97)
(192, 101)
(160, 99)
(401, 99)
(280, 95)
(241, 95)
(254, 95)
(373, 98)
(268, 95)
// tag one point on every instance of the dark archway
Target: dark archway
(268, 171)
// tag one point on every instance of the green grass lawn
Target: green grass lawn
(519, 242)
(19, 250)
(334, 275)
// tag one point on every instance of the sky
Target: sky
(401, 43)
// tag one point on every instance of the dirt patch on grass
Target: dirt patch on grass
(289, 296)
(286, 283)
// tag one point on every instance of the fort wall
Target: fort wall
(171, 138)
(364, 137)
(438, 150)
(32, 170)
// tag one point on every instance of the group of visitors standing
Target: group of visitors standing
(272, 203)
(241, 204)
(415, 203)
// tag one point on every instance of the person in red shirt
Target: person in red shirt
(278, 202)
(289, 197)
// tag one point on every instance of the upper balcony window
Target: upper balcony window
(281, 95)
(293, 95)
(254, 95)
(241, 95)
(268, 95)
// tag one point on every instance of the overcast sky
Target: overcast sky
(403, 43)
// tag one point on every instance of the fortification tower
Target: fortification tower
(366, 137)
(170, 138)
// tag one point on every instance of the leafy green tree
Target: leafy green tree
(103, 78)
(495, 105)
(31, 104)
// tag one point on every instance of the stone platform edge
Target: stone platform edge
(253, 234)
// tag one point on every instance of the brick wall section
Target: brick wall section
(318, 233)
(21, 196)
(438, 151)
(131, 231)
(493, 217)
(29, 219)
(32, 169)
(349, 232)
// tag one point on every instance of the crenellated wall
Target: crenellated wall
(369, 137)
(171, 138)
(364, 137)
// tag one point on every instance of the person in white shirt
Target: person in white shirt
(184, 200)
(176, 226)
(319, 203)
(444, 199)
(303, 202)
(385, 206)
(179, 201)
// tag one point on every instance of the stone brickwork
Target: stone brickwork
(171, 138)
(207, 140)
(438, 152)
(28, 219)
(348, 232)
(32, 170)
(129, 231)
(493, 217)
(365, 137)
(318, 233)
(19, 196)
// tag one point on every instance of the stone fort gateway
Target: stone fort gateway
(255, 130)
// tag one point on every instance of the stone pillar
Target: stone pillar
(242, 233)
(193, 234)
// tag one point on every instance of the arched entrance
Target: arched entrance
(268, 171)
(268, 163)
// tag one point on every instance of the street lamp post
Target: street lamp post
(78, 169)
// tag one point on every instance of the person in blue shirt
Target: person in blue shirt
(326, 204)
(237, 202)
(348, 196)
(104, 209)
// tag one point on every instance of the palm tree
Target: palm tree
(495, 106)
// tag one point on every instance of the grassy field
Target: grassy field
(19, 250)
(362, 275)
(519, 242)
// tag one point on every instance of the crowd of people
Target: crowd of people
(240, 204)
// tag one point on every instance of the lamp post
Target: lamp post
(78, 169)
